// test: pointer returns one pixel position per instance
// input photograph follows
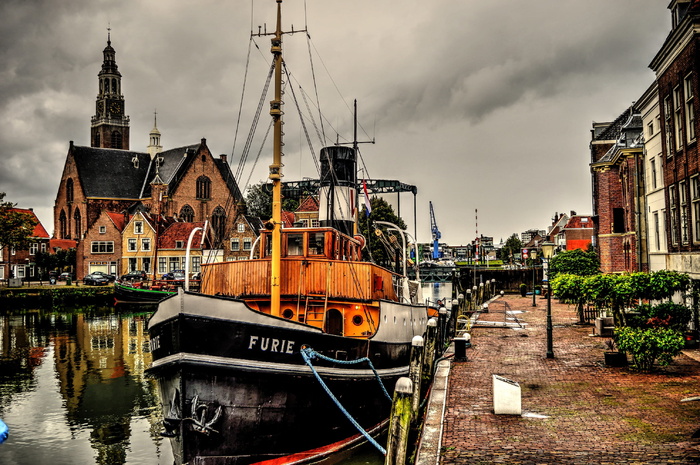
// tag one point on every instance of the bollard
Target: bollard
(454, 314)
(429, 351)
(461, 344)
(415, 372)
(399, 423)
(442, 321)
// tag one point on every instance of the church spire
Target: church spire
(109, 126)
(154, 146)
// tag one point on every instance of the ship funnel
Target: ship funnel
(337, 196)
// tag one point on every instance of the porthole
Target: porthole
(287, 313)
(357, 320)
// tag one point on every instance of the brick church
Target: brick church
(108, 180)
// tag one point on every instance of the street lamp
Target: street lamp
(533, 256)
(548, 251)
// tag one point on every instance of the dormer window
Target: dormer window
(179, 244)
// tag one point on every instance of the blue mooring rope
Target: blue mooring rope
(308, 354)
(4, 431)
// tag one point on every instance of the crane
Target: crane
(436, 233)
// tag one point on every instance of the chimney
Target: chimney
(223, 157)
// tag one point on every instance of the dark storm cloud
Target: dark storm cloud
(463, 96)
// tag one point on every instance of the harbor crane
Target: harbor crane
(436, 233)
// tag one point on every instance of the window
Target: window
(235, 245)
(33, 248)
(103, 229)
(162, 265)
(102, 246)
(63, 225)
(138, 227)
(179, 244)
(657, 231)
(316, 243)
(69, 190)
(77, 224)
(689, 108)
(682, 194)
(19, 271)
(241, 227)
(652, 173)
(145, 245)
(247, 244)
(196, 264)
(116, 140)
(218, 223)
(146, 264)
(187, 214)
(674, 214)
(43, 248)
(132, 264)
(695, 197)
(650, 128)
(677, 122)
(315, 223)
(295, 244)
(131, 245)
(173, 263)
(667, 126)
(203, 187)
(618, 220)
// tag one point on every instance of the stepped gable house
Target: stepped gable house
(187, 183)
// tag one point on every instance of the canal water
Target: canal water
(73, 389)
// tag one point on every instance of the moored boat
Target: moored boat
(128, 292)
(293, 352)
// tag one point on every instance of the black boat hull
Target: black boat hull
(236, 390)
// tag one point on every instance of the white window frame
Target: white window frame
(108, 247)
(677, 120)
(689, 107)
(652, 172)
(131, 245)
(33, 248)
(103, 229)
(247, 244)
(235, 244)
(138, 227)
(146, 244)
(241, 227)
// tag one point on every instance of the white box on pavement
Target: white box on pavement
(506, 396)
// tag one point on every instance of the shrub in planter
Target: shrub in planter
(649, 346)
(523, 290)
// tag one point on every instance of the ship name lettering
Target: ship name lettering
(155, 343)
(269, 344)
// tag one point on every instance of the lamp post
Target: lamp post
(533, 256)
(547, 252)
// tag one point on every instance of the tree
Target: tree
(384, 247)
(16, 228)
(579, 262)
(258, 201)
(511, 249)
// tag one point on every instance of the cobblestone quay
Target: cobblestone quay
(575, 409)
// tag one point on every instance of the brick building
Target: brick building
(187, 183)
(618, 193)
(676, 66)
(19, 263)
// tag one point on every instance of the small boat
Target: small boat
(291, 354)
(125, 291)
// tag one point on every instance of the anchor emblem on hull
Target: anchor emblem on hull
(198, 416)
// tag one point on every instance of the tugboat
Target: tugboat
(289, 354)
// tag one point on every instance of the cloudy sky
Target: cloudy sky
(482, 105)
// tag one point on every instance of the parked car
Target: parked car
(175, 275)
(95, 279)
(110, 277)
(134, 276)
(66, 276)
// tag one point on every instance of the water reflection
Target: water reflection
(73, 390)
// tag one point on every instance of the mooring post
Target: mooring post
(442, 323)
(399, 423)
(415, 372)
(429, 350)
(453, 320)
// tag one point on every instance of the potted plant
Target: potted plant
(613, 357)
(523, 290)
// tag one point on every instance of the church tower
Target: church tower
(110, 126)
(154, 146)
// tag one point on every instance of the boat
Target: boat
(125, 291)
(292, 353)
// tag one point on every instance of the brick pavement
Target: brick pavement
(594, 414)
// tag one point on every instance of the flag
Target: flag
(368, 205)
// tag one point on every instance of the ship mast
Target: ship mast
(276, 169)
